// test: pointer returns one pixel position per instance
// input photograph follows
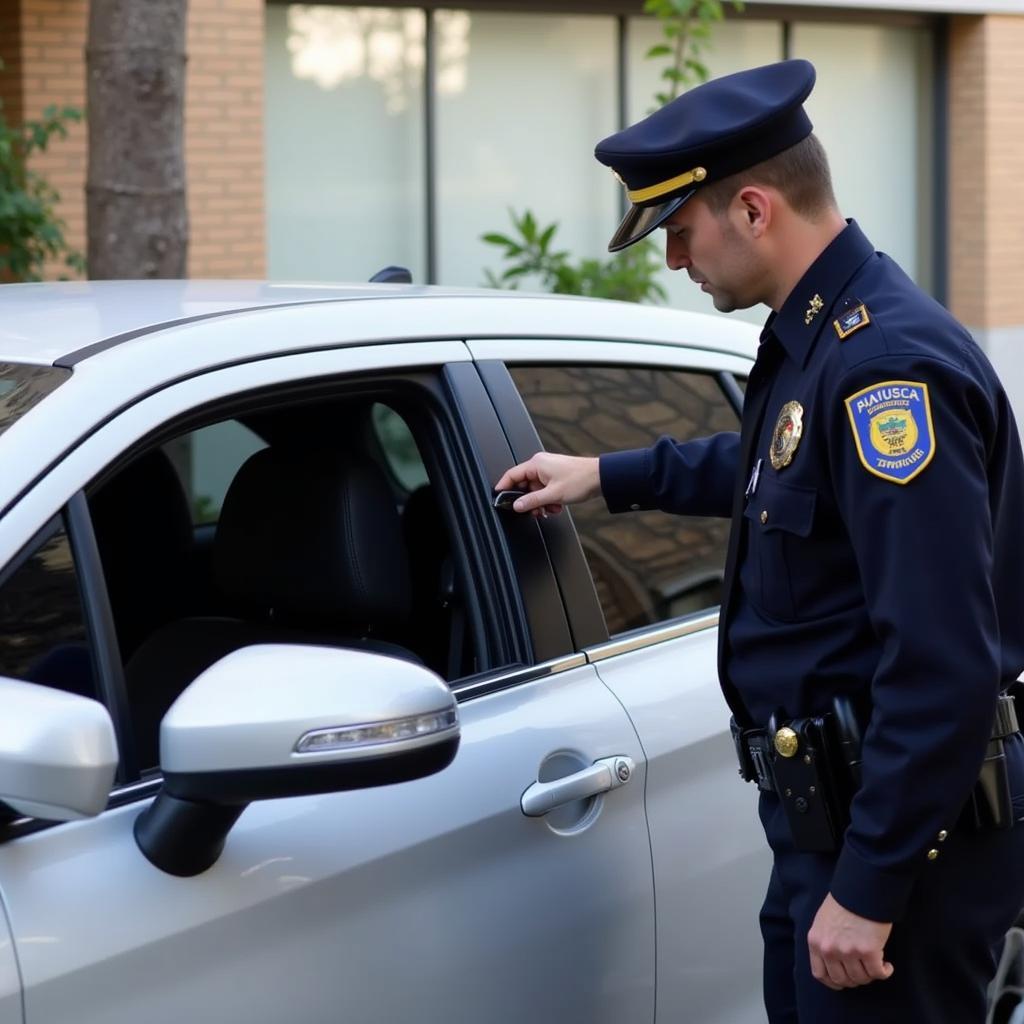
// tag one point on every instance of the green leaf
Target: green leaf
(661, 50)
(493, 238)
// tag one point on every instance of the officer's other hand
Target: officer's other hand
(847, 950)
(553, 482)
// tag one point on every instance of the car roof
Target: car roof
(66, 323)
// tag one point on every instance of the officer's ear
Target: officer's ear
(753, 207)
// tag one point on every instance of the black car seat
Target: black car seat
(309, 548)
(143, 531)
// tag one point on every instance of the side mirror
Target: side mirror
(58, 752)
(279, 720)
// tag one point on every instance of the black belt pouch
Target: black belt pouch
(814, 787)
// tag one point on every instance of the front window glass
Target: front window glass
(646, 566)
(22, 387)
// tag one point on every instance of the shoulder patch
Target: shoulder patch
(851, 320)
(892, 428)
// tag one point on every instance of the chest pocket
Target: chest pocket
(781, 517)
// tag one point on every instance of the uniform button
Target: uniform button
(943, 836)
(634, 507)
(933, 854)
(764, 515)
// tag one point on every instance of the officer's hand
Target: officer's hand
(846, 950)
(553, 481)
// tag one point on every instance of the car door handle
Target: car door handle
(600, 777)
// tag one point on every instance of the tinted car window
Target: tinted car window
(647, 566)
(42, 630)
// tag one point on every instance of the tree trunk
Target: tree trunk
(136, 217)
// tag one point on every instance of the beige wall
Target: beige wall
(223, 120)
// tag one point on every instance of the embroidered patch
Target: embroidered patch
(892, 428)
(851, 320)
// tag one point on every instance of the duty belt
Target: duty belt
(813, 765)
(759, 751)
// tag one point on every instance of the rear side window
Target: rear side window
(647, 566)
(22, 387)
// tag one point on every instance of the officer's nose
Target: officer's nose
(676, 256)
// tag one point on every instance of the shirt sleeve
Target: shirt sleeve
(693, 478)
(924, 552)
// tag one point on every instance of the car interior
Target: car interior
(315, 542)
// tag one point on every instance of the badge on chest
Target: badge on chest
(789, 428)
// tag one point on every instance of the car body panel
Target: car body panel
(10, 976)
(711, 862)
(431, 899)
(365, 905)
(183, 326)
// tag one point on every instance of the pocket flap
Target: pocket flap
(780, 506)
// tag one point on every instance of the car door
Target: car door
(657, 581)
(437, 899)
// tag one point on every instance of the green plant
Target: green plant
(629, 276)
(686, 26)
(31, 233)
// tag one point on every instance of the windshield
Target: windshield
(22, 387)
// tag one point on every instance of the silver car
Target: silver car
(298, 725)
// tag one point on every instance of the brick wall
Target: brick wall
(224, 138)
(223, 123)
(53, 71)
(986, 152)
(10, 54)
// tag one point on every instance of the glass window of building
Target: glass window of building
(345, 141)
(874, 117)
(521, 100)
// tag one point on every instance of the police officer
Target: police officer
(876, 557)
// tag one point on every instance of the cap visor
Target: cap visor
(640, 221)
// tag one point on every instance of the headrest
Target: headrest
(146, 495)
(314, 533)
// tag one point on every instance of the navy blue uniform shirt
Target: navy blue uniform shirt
(885, 560)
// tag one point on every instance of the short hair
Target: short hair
(800, 173)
